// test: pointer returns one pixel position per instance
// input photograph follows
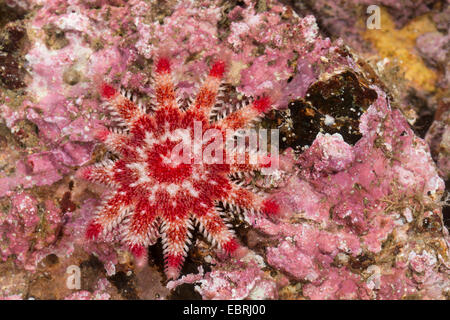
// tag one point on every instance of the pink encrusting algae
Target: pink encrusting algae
(357, 219)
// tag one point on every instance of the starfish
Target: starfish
(155, 195)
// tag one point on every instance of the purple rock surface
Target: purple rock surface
(359, 220)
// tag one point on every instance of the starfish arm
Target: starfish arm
(164, 87)
(207, 95)
(102, 173)
(242, 199)
(141, 228)
(114, 141)
(246, 161)
(241, 118)
(240, 196)
(121, 106)
(217, 231)
(175, 238)
(110, 213)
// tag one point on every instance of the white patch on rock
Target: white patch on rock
(329, 120)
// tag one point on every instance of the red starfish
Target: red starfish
(155, 196)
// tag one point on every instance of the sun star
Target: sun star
(152, 195)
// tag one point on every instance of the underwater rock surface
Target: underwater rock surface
(360, 195)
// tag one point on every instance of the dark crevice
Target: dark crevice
(125, 284)
(8, 14)
(12, 40)
(90, 271)
(425, 114)
(446, 208)
(331, 106)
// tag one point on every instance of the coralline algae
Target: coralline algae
(360, 219)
